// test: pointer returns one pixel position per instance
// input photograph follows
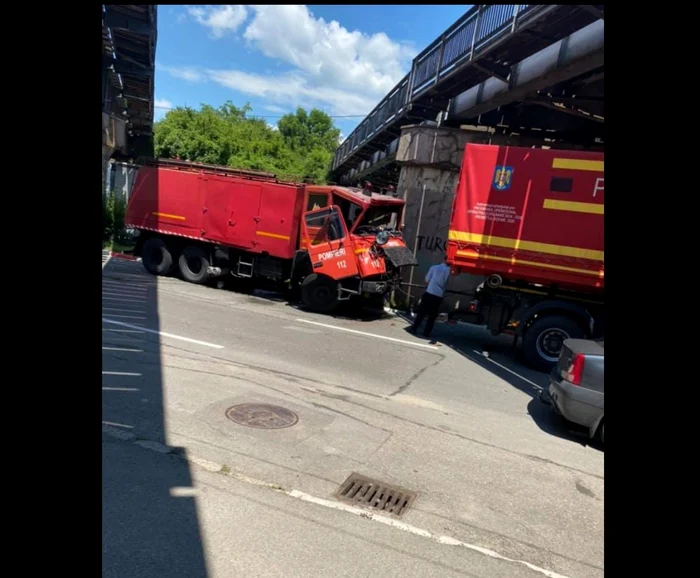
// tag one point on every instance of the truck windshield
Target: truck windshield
(376, 217)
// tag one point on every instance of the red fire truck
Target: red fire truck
(331, 243)
(531, 222)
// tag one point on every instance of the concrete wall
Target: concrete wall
(430, 160)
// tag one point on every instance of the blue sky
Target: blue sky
(341, 59)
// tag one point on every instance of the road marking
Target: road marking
(117, 289)
(122, 330)
(105, 260)
(128, 316)
(130, 295)
(122, 349)
(448, 540)
(117, 424)
(131, 301)
(507, 369)
(120, 389)
(183, 492)
(302, 329)
(355, 331)
(170, 335)
(123, 310)
(304, 497)
(121, 373)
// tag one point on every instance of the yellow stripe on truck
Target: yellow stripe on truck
(509, 243)
(169, 216)
(579, 165)
(272, 235)
(512, 261)
(575, 207)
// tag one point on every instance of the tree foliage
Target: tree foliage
(300, 146)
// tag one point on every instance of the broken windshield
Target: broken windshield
(375, 217)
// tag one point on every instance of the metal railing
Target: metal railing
(471, 34)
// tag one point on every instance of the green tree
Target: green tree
(301, 146)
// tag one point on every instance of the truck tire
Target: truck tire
(543, 340)
(156, 257)
(194, 264)
(319, 294)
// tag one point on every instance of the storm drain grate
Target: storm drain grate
(362, 491)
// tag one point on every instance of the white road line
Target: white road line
(117, 424)
(448, 540)
(508, 369)
(119, 292)
(133, 292)
(183, 492)
(128, 316)
(123, 296)
(121, 373)
(170, 335)
(394, 339)
(129, 284)
(123, 330)
(123, 310)
(122, 349)
(304, 497)
(120, 389)
(119, 299)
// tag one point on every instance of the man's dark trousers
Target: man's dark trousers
(429, 308)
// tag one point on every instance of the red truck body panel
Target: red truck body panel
(530, 214)
(252, 214)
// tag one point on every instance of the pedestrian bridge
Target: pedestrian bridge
(486, 43)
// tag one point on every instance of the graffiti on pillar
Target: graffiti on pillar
(431, 244)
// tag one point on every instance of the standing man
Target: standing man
(430, 302)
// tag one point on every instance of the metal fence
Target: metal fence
(472, 33)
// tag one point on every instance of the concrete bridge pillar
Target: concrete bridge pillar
(430, 160)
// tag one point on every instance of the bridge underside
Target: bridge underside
(128, 68)
(563, 105)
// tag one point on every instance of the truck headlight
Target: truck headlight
(381, 238)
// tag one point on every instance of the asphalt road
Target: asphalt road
(493, 468)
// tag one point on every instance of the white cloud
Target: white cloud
(275, 108)
(326, 51)
(219, 19)
(160, 108)
(340, 71)
(188, 73)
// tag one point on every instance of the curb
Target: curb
(124, 256)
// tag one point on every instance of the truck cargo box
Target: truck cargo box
(528, 214)
(235, 209)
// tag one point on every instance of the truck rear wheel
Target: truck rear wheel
(544, 338)
(319, 294)
(194, 264)
(156, 257)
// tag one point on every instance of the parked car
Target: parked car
(577, 385)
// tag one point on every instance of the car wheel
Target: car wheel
(319, 294)
(544, 338)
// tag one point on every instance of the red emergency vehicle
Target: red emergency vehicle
(332, 243)
(531, 221)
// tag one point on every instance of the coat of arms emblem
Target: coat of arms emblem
(502, 178)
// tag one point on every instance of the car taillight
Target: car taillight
(576, 370)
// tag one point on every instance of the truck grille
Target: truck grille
(400, 256)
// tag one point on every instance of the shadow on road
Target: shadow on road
(496, 354)
(150, 524)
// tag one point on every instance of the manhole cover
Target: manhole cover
(262, 416)
(361, 491)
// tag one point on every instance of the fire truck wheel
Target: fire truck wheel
(156, 257)
(319, 293)
(193, 264)
(543, 340)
